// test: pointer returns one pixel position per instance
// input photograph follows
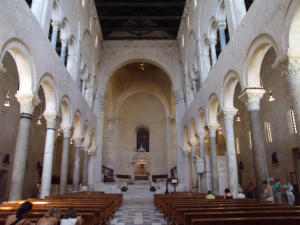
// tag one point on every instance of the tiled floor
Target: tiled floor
(138, 212)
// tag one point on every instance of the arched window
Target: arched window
(142, 139)
(248, 4)
(293, 122)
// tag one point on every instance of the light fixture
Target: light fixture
(271, 98)
(7, 100)
(58, 132)
(142, 66)
(219, 131)
(238, 118)
(71, 141)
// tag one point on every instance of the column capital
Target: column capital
(51, 120)
(228, 113)
(77, 141)
(221, 24)
(212, 128)
(252, 97)
(64, 41)
(178, 96)
(55, 24)
(289, 67)
(2, 69)
(66, 130)
(27, 102)
(212, 41)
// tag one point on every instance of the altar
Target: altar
(141, 166)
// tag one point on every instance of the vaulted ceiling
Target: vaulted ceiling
(139, 19)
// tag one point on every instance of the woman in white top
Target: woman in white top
(289, 190)
(268, 192)
(70, 218)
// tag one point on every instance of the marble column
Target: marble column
(194, 80)
(76, 170)
(180, 109)
(27, 104)
(202, 155)
(290, 69)
(213, 53)
(221, 28)
(227, 120)
(252, 99)
(48, 155)
(85, 166)
(213, 157)
(64, 45)
(65, 159)
(193, 165)
(55, 28)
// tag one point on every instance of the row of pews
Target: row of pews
(194, 209)
(94, 207)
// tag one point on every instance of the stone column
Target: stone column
(290, 69)
(65, 159)
(64, 45)
(55, 28)
(213, 157)
(48, 155)
(27, 104)
(76, 171)
(252, 99)
(180, 109)
(227, 119)
(213, 53)
(71, 61)
(202, 155)
(91, 160)
(194, 80)
(221, 28)
(235, 11)
(193, 165)
(85, 167)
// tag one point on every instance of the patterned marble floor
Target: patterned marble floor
(138, 212)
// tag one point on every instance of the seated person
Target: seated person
(210, 195)
(240, 194)
(19, 219)
(227, 194)
(70, 218)
(52, 217)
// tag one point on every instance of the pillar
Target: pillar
(202, 155)
(290, 69)
(235, 11)
(71, 61)
(48, 155)
(194, 80)
(213, 157)
(213, 53)
(180, 109)
(252, 99)
(193, 165)
(27, 104)
(227, 120)
(65, 159)
(221, 29)
(76, 170)
(85, 167)
(64, 45)
(55, 28)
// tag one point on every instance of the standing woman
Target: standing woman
(268, 192)
(19, 219)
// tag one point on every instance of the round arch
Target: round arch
(66, 111)
(213, 109)
(77, 124)
(255, 55)
(24, 62)
(48, 85)
(230, 81)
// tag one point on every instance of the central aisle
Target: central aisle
(138, 211)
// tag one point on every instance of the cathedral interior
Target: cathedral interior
(103, 96)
